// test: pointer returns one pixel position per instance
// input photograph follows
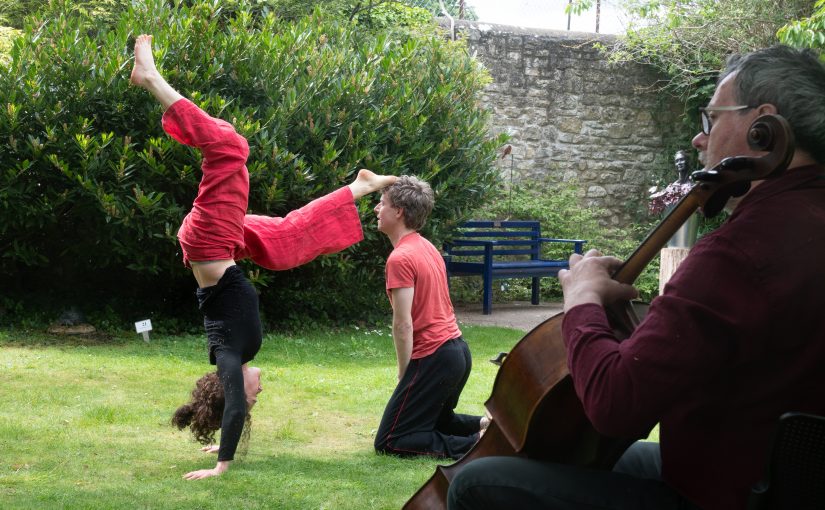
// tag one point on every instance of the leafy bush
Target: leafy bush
(688, 41)
(13, 12)
(7, 35)
(375, 13)
(455, 8)
(92, 190)
(807, 32)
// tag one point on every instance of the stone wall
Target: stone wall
(572, 115)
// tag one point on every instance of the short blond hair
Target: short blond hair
(414, 196)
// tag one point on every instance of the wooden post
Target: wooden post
(669, 262)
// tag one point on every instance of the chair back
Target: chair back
(795, 477)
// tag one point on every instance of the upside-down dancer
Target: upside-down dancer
(216, 233)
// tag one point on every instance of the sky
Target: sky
(547, 14)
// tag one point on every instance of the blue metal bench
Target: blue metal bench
(503, 249)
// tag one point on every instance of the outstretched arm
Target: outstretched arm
(234, 412)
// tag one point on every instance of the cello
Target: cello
(534, 408)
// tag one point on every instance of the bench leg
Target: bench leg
(536, 290)
(487, 296)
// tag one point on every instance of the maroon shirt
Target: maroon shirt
(736, 339)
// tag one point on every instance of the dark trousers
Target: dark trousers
(512, 482)
(419, 418)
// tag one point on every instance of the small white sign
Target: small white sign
(144, 327)
(141, 326)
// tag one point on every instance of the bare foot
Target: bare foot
(368, 181)
(144, 70)
(146, 75)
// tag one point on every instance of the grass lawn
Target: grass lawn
(85, 423)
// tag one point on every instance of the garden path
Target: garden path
(517, 314)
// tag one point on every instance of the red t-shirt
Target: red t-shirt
(416, 263)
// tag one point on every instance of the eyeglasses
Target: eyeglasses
(707, 123)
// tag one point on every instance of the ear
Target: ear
(766, 109)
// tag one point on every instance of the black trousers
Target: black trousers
(419, 418)
(512, 482)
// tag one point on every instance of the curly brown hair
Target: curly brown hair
(204, 412)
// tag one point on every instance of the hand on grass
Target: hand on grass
(212, 448)
(206, 473)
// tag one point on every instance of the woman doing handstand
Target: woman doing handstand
(216, 233)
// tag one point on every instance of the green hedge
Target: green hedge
(92, 191)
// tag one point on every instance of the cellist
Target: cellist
(736, 339)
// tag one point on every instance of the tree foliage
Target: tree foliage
(453, 8)
(92, 191)
(7, 35)
(14, 12)
(807, 32)
(689, 40)
(370, 12)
